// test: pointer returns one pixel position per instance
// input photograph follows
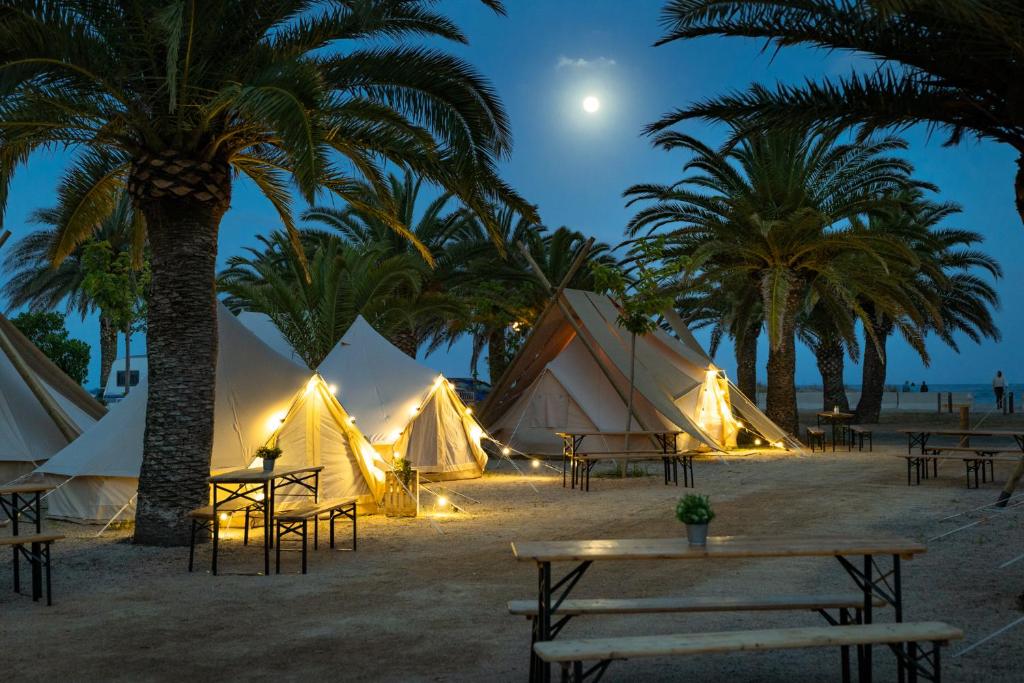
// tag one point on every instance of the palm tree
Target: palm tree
(775, 210)
(38, 284)
(437, 237)
(174, 99)
(314, 296)
(946, 282)
(954, 65)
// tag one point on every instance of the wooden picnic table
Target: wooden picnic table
(836, 420)
(867, 573)
(667, 448)
(16, 501)
(917, 436)
(258, 488)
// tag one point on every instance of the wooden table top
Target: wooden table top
(961, 432)
(24, 488)
(655, 433)
(831, 415)
(718, 547)
(257, 475)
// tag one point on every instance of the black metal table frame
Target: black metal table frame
(671, 459)
(247, 491)
(921, 439)
(31, 507)
(869, 578)
(836, 423)
(300, 528)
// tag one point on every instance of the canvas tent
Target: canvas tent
(41, 408)
(404, 407)
(573, 374)
(260, 396)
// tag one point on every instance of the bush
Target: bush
(694, 509)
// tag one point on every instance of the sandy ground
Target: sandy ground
(424, 599)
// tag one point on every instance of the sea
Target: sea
(982, 393)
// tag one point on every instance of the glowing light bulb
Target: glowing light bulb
(413, 412)
(259, 495)
(778, 444)
(438, 380)
(535, 464)
(223, 516)
(506, 451)
(757, 442)
(442, 501)
(351, 419)
(333, 388)
(469, 411)
(396, 435)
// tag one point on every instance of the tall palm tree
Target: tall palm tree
(436, 236)
(946, 281)
(954, 65)
(314, 297)
(174, 99)
(38, 284)
(776, 210)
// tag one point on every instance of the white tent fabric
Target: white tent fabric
(402, 406)
(562, 382)
(259, 396)
(264, 328)
(28, 433)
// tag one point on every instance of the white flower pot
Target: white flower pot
(697, 534)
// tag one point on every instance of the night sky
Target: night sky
(545, 57)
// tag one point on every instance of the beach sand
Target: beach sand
(425, 599)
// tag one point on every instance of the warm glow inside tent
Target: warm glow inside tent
(36, 399)
(564, 381)
(260, 396)
(404, 407)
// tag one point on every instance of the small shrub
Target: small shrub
(268, 452)
(694, 509)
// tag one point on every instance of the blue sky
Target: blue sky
(545, 56)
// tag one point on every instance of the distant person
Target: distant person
(906, 386)
(924, 387)
(999, 388)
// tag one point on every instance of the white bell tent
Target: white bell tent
(260, 397)
(572, 374)
(41, 409)
(403, 407)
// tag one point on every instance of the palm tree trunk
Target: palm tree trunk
(746, 362)
(1018, 187)
(872, 387)
(108, 349)
(182, 223)
(406, 341)
(781, 402)
(497, 354)
(829, 355)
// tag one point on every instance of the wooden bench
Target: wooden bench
(983, 461)
(858, 433)
(295, 522)
(816, 435)
(38, 555)
(583, 463)
(903, 638)
(203, 518)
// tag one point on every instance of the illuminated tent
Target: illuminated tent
(41, 409)
(404, 407)
(260, 397)
(564, 381)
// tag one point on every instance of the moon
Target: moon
(591, 104)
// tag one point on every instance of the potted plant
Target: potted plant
(268, 454)
(694, 510)
(401, 489)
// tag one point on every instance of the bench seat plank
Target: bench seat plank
(628, 647)
(966, 456)
(579, 607)
(309, 511)
(29, 540)
(637, 455)
(24, 488)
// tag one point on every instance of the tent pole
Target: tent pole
(558, 298)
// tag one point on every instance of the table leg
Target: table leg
(543, 669)
(268, 524)
(868, 599)
(834, 425)
(39, 513)
(215, 528)
(37, 572)
(897, 590)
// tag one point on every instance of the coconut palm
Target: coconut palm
(314, 297)
(947, 281)
(954, 65)
(39, 285)
(438, 229)
(175, 99)
(776, 210)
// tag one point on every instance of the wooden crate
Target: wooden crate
(401, 501)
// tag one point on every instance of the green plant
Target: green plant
(47, 332)
(694, 509)
(268, 452)
(403, 468)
